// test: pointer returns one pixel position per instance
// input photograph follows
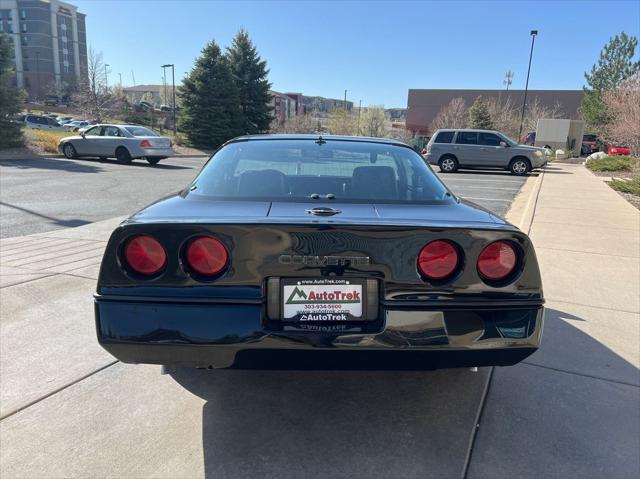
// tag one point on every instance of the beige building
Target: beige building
(50, 44)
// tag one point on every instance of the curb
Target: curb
(523, 207)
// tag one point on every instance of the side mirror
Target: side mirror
(504, 144)
(82, 134)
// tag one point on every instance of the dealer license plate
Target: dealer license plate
(322, 300)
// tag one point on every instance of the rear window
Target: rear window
(444, 137)
(140, 131)
(589, 138)
(304, 170)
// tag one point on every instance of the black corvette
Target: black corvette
(301, 252)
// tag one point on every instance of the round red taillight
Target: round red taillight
(497, 261)
(145, 255)
(438, 260)
(206, 256)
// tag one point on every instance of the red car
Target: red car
(618, 150)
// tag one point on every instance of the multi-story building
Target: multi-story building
(283, 106)
(50, 44)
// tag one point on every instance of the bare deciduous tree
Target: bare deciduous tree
(623, 107)
(373, 122)
(453, 115)
(536, 110)
(93, 97)
(342, 122)
(296, 124)
(402, 134)
(504, 115)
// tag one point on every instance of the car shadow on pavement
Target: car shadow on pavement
(52, 164)
(335, 423)
(570, 409)
(137, 163)
(414, 424)
(565, 346)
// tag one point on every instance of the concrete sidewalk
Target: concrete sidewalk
(46, 281)
(573, 408)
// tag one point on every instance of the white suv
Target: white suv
(39, 122)
(454, 149)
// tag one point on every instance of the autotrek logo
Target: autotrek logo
(298, 296)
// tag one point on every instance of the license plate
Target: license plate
(323, 300)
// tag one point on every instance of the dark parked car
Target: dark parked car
(589, 144)
(52, 100)
(292, 251)
(143, 106)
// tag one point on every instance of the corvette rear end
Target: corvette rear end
(332, 253)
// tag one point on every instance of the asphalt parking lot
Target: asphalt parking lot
(40, 195)
(492, 189)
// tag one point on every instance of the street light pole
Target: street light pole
(173, 83)
(345, 100)
(106, 77)
(526, 88)
(38, 74)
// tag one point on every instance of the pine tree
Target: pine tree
(250, 76)
(210, 101)
(479, 115)
(615, 65)
(10, 97)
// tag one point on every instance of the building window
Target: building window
(23, 14)
(24, 40)
(63, 26)
(1, 26)
(9, 26)
(24, 28)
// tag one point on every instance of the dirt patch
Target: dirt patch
(616, 174)
(633, 199)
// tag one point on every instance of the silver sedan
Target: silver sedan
(123, 142)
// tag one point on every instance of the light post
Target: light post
(173, 83)
(38, 74)
(106, 77)
(526, 88)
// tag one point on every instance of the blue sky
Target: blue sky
(376, 50)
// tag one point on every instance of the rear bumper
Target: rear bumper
(153, 152)
(240, 336)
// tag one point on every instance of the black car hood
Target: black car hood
(197, 209)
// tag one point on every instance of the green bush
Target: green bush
(627, 186)
(613, 163)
